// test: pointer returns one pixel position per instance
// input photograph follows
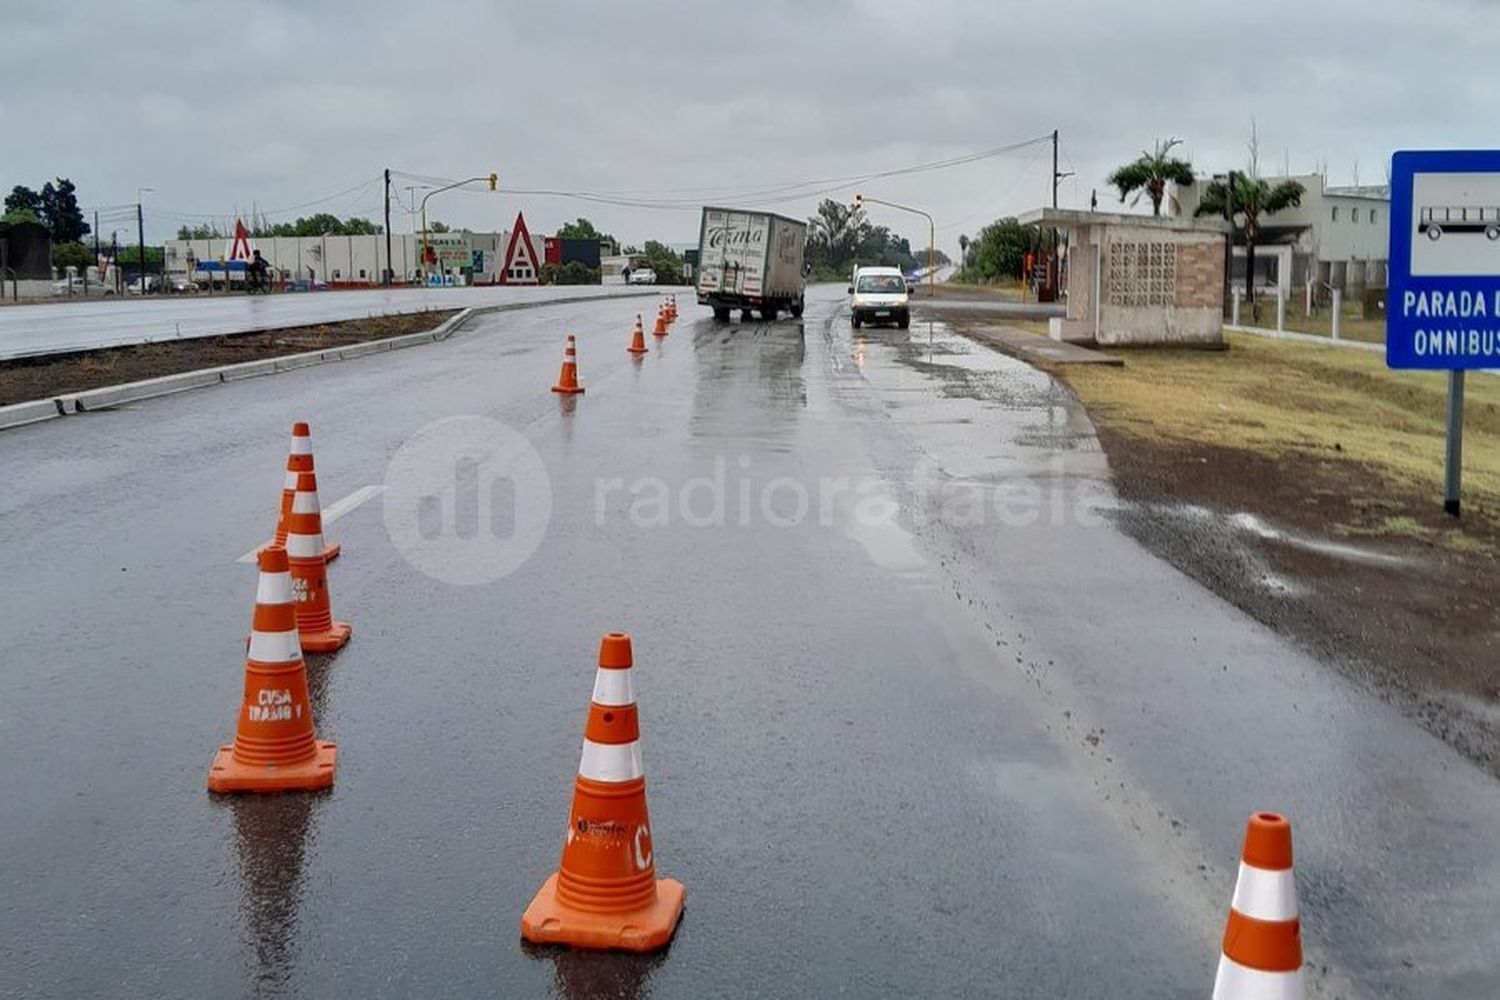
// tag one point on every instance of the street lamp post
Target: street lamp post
(494, 180)
(140, 230)
(860, 199)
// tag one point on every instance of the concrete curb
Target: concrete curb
(32, 411)
(19, 414)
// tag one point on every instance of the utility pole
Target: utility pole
(1055, 177)
(140, 229)
(387, 281)
(1228, 241)
(96, 242)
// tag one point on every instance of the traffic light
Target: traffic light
(859, 198)
(494, 181)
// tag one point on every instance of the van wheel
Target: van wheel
(904, 322)
(854, 320)
(721, 315)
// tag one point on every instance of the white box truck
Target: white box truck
(751, 260)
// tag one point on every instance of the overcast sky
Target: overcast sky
(221, 107)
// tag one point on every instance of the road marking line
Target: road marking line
(331, 513)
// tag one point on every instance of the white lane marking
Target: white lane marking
(331, 513)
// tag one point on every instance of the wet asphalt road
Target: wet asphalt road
(88, 324)
(942, 731)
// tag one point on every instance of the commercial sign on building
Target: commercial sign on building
(1443, 302)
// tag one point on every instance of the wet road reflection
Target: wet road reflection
(271, 834)
(593, 975)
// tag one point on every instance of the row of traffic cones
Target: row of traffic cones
(276, 748)
(567, 379)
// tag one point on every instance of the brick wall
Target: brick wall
(1200, 275)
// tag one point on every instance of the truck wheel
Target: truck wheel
(746, 316)
(769, 314)
(721, 315)
(796, 309)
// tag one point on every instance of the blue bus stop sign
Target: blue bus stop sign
(1443, 298)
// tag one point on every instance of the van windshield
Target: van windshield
(881, 284)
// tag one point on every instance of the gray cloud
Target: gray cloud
(277, 104)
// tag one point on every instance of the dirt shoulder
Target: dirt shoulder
(38, 378)
(1304, 485)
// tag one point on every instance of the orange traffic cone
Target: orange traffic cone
(638, 338)
(275, 748)
(661, 322)
(304, 549)
(567, 380)
(671, 308)
(1262, 954)
(299, 459)
(605, 894)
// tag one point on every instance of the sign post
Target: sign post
(1443, 299)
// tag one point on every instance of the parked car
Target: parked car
(146, 284)
(643, 276)
(75, 286)
(181, 284)
(879, 295)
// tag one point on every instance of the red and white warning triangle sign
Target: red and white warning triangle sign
(521, 266)
(239, 247)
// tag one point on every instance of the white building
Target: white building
(358, 261)
(1338, 236)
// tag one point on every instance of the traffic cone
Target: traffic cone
(638, 338)
(275, 748)
(567, 381)
(1262, 954)
(671, 309)
(304, 549)
(661, 322)
(605, 893)
(299, 459)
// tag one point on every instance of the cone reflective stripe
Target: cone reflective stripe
(660, 329)
(275, 748)
(567, 380)
(298, 460)
(605, 893)
(638, 338)
(671, 309)
(1262, 953)
(304, 549)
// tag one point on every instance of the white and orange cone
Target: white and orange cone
(567, 379)
(299, 459)
(638, 338)
(605, 893)
(1262, 953)
(660, 330)
(275, 747)
(304, 549)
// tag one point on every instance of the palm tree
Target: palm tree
(1253, 198)
(1150, 173)
(963, 246)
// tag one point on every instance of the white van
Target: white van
(879, 295)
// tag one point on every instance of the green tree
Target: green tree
(1150, 173)
(1254, 197)
(71, 255)
(60, 212)
(664, 261)
(439, 227)
(23, 199)
(999, 250)
(21, 215)
(963, 249)
(208, 232)
(322, 224)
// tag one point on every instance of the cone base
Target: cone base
(549, 921)
(637, 350)
(332, 552)
(571, 390)
(229, 775)
(330, 640)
